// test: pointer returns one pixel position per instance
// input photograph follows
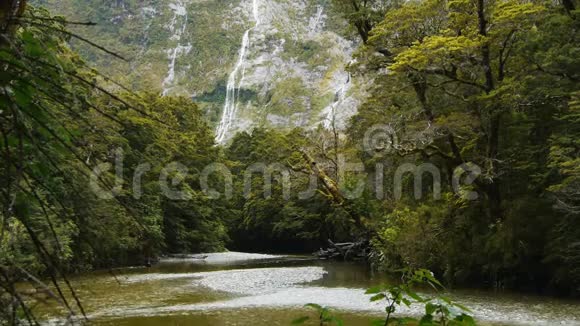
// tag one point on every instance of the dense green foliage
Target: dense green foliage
(81, 167)
(279, 222)
(494, 84)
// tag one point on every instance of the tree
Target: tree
(60, 128)
(480, 82)
(364, 14)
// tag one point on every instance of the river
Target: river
(253, 289)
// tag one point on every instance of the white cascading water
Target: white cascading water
(232, 90)
(317, 22)
(340, 95)
(179, 15)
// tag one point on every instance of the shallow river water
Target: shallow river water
(251, 289)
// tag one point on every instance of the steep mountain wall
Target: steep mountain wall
(277, 63)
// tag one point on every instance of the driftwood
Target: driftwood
(187, 256)
(344, 251)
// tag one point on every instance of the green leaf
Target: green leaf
(460, 306)
(313, 305)
(414, 295)
(430, 308)
(465, 320)
(374, 290)
(377, 297)
(444, 299)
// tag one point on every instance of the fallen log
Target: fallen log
(344, 251)
(187, 256)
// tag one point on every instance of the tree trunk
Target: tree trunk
(493, 189)
(8, 10)
(328, 183)
(333, 189)
(5, 13)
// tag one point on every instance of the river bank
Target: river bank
(252, 289)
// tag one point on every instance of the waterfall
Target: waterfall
(339, 97)
(232, 89)
(316, 23)
(179, 15)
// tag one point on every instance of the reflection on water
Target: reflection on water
(242, 289)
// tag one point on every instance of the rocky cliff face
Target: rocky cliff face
(276, 63)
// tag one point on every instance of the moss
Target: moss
(310, 52)
(289, 96)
